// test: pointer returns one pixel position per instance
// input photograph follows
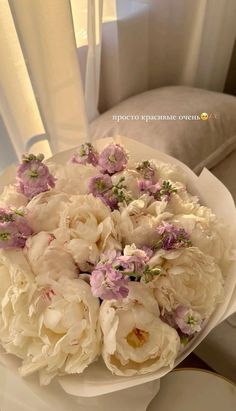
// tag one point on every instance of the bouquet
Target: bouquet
(105, 257)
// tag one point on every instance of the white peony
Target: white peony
(135, 340)
(73, 178)
(131, 178)
(209, 234)
(87, 218)
(137, 229)
(166, 171)
(182, 203)
(68, 335)
(45, 209)
(16, 289)
(189, 278)
(139, 206)
(48, 258)
(138, 221)
(11, 197)
(52, 328)
(84, 253)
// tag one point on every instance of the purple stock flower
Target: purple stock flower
(172, 237)
(165, 228)
(166, 190)
(33, 177)
(188, 321)
(146, 170)
(130, 263)
(99, 184)
(14, 228)
(148, 250)
(9, 236)
(144, 185)
(160, 190)
(86, 154)
(107, 283)
(110, 199)
(150, 188)
(109, 279)
(113, 159)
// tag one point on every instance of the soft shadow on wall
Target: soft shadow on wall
(230, 83)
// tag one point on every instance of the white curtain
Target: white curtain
(41, 90)
(191, 42)
(63, 61)
(157, 43)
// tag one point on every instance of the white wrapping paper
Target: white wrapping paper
(96, 388)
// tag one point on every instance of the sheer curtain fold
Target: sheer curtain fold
(45, 31)
(18, 106)
(92, 81)
(191, 42)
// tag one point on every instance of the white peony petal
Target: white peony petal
(69, 338)
(45, 209)
(188, 278)
(11, 197)
(49, 258)
(73, 178)
(135, 339)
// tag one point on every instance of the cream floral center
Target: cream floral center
(137, 338)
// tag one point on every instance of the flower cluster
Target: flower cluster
(33, 176)
(110, 278)
(102, 256)
(101, 186)
(172, 237)
(86, 155)
(113, 159)
(146, 170)
(160, 190)
(185, 320)
(14, 228)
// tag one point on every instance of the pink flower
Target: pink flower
(165, 228)
(131, 263)
(110, 199)
(14, 228)
(149, 251)
(99, 184)
(188, 321)
(108, 284)
(86, 154)
(172, 237)
(144, 185)
(160, 190)
(113, 159)
(33, 177)
(146, 170)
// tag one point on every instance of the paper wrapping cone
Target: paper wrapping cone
(97, 380)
